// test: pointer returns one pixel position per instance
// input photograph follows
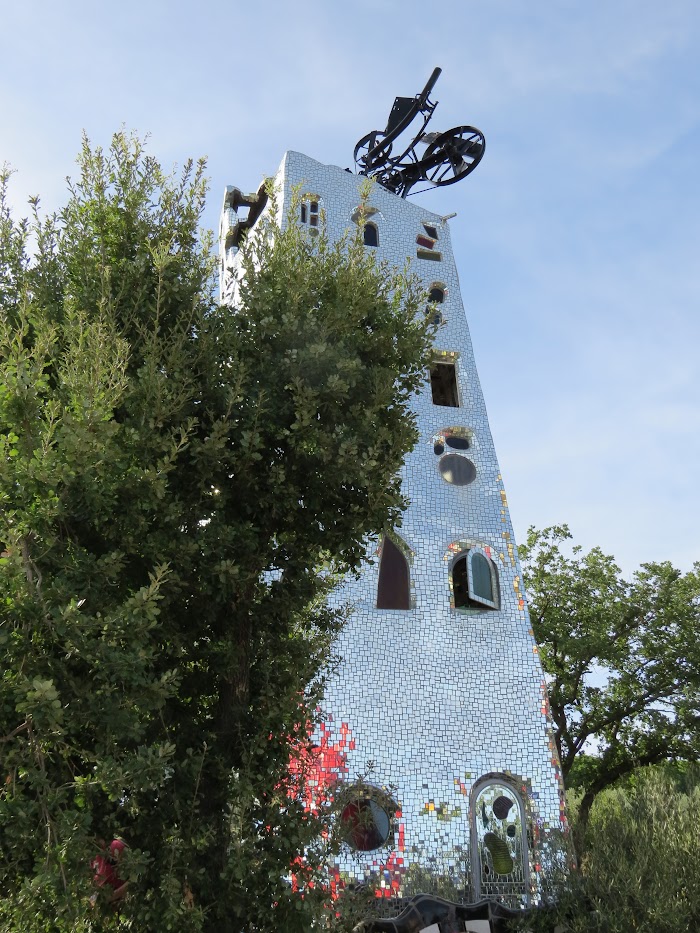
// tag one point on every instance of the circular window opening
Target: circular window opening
(439, 448)
(457, 470)
(366, 824)
(457, 442)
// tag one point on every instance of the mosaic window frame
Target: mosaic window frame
(464, 436)
(311, 212)
(365, 216)
(359, 802)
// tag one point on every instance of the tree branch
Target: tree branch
(11, 735)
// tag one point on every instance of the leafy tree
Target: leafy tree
(180, 483)
(642, 864)
(622, 660)
(641, 868)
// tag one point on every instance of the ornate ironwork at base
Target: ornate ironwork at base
(425, 911)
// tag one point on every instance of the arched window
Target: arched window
(371, 234)
(368, 218)
(394, 588)
(499, 842)
(474, 580)
(436, 296)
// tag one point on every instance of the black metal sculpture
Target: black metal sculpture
(447, 157)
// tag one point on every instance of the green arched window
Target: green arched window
(474, 580)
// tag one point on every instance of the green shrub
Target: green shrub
(641, 867)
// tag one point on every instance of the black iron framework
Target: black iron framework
(446, 158)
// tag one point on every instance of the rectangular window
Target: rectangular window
(443, 383)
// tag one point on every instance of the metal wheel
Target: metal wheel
(453, 154)
(365, 146)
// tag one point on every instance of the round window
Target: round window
(457, 442)
(457, 470)
(366, 824)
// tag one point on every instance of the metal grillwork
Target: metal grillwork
(435, 158)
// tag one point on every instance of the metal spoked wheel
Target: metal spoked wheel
(366, 145)
(453, 154)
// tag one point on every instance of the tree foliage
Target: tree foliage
(179, 485)
(642, 864)
(641, 868)
(622, 659)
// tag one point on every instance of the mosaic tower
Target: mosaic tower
(436, 721)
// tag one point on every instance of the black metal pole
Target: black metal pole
(432, 80)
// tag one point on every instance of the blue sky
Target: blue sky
(576, 238)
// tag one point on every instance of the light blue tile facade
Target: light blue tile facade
(448, 705)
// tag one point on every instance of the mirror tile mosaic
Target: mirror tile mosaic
(440, 703)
